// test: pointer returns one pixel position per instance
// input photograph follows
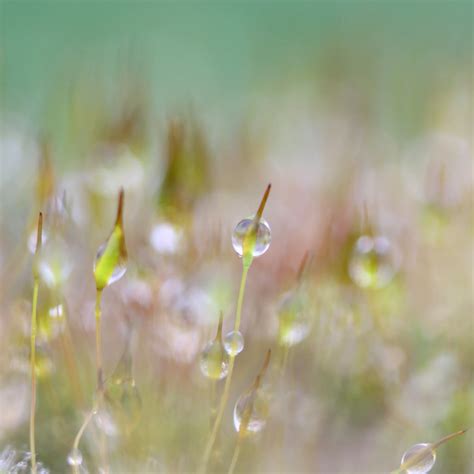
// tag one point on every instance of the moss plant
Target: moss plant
(293, 320)
(110, 266)
(214, 365)
(421, 457)
(121, 394)
(214, 359)
(39, 236)
(248, 412)
(245, 239)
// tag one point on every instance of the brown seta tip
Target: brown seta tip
(39, 233)
(423, 452)
(119, 219)
(259, 213)
(264, 368)
(303, 265)
(447, 438)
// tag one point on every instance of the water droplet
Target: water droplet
(118, 270)
(214, 361)
(234, 343)
(111, 260)
(251, 409)
(373, 263)
(294, 315)
(262, 241)
(419, 459)
(74, 458)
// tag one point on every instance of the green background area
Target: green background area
(221, 53)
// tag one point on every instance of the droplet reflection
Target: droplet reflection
(262, 242)
(374, 262)
(214, 361)
(234, 343)
(423, 459)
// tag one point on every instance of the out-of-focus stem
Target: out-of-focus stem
(235, 457)
(39, 238)
(98, 339)
(225, 393)
(78, 437)
(66, 343)
(100, 377)
(212, 402)
(33, 376)
(240, 300)
(100, 388)
(284, 362)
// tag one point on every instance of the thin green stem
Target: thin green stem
(98, 339)
(100, 376)
(100, 386)
(78, 437)
(284, 362)
(65, 338)
(33, 376)
(240, 300)
(225, 393)
(212, 402)
(235, 457)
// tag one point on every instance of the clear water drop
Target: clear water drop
(263, 240)
(423, 458)
(110, 263)
(214, 361)
(294, 314)
(119, 269)
(74, 458)
(373, 263)
(252, 408)
(234, 343)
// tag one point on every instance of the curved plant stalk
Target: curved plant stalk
(212, 398)
(248, 246)
(247, 414)
(100, 375)
(77, 439)
(284, 359)
(98, 340)
(69, 352)
(422, 453)
(111, 255)
(235, 456)
(39, 236)
(225, 393)
(213, 385)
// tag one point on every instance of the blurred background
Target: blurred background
(358, 113)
